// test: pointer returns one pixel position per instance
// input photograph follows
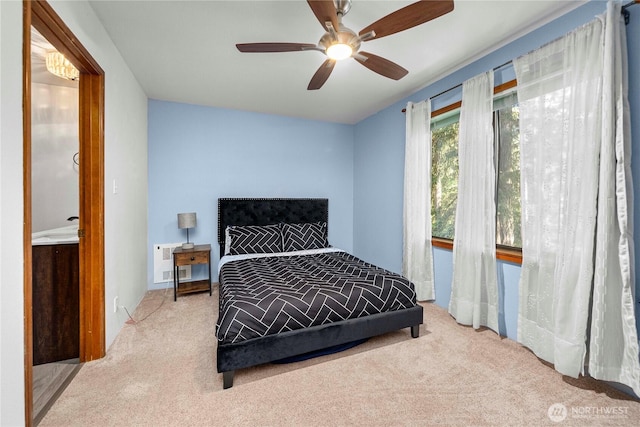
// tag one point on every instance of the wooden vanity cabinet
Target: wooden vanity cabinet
(56, 303)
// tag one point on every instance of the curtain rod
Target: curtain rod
(623, 10)
(460, 84)
(626, 13)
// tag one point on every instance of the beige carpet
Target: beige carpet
(161, 372)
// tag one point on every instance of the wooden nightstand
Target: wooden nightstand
(200, 254)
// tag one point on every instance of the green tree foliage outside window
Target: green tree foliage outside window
(444, 180)
(508, 207)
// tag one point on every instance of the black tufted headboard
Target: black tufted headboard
(261, 211)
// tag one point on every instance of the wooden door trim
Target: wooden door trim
(92, 321)
(26, 237)
(42, 17)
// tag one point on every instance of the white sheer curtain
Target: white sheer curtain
(559, 90)
(613, 345)
(417, 263)
(474, 289)
(575, 178)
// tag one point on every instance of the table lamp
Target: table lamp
(187, 220)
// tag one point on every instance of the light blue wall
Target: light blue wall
(378, 183)
(198, 154)
(379, 163)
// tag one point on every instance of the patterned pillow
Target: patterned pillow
(255, 239)
(227, 241)
(298, 237)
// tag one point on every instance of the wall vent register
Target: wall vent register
(163, 263)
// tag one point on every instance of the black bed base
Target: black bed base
(292, 343)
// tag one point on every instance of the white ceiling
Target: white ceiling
(184, 51)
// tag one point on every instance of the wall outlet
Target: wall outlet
(115, 305)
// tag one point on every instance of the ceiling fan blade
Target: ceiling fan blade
(322, 74)
(325, 11)
(382, 66)
(274, 47)
(408, 17)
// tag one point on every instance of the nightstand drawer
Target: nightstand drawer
(190, 258)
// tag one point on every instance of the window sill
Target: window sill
(503, 254)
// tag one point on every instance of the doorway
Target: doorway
(55, 187)
(42, 17)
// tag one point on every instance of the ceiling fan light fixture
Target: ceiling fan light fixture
(60, 66)
(340, 42)
(339, 51)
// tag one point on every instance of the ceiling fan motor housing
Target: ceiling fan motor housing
(344, 36)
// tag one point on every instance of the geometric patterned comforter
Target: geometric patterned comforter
(272, 294)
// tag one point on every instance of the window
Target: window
(507, 136)
(444, 172)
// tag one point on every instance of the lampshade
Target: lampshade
(187, 220)
(60, 66)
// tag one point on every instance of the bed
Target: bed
(257, 272)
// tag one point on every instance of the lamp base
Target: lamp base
(187, 246)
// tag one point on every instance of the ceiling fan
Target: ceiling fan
(340, 42)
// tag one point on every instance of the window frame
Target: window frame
(503, 253)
